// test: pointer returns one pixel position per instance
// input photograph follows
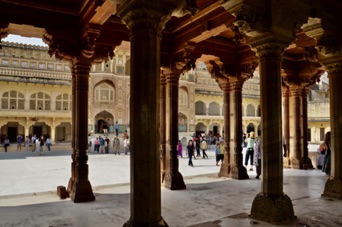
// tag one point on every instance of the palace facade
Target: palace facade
(36, 97)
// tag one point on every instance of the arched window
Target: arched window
(63, 102)
(182, 123)
(104, 93)
(200, 108)
(12, 100)
(250, 110)
(182, 97)
(214, 109)
(259, 111)
(40, 101)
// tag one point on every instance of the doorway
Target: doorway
(12, 133)
(37, 130)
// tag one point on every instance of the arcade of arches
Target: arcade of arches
(292, 45)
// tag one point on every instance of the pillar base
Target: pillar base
(287, 162)
(296, 164)
(333, 189)
(225, 170)
(82, 192)
(239, 173)
(131, 223)
(174, 181)
(70, 186)
(307, 164)
(273, 210)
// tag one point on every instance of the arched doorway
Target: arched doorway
(104, 118)
(250, 128)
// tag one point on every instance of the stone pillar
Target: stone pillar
(53, 132)
(145, 19)
(81, 189)
(271, 204)
(333, 186)
(162, 125)
(73, 122)
(225, 170)
(238, 170)
(307, 164)
(173, 178)
(286, 125)
(296, 159)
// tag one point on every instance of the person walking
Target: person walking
(48, 143)
(190, 149)
(41, 145)
(198, 147)
(327, 159)
(204, 147)
(6, 143)
(250, 150)
(19, 142)
(33, 140)
(107, 145)
(96, 145)
(27, 143)
(126, 145)
(180, 149)
(257, 157)
(102, 144)
(219, 156)
(117, 128)
(116, 145)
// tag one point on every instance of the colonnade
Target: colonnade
(154, 106)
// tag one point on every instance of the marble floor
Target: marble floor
(28, 197)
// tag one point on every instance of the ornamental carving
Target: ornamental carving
(333, 188)
(145, 14)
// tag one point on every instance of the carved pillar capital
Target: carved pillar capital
(333, 65)
(145, 15)
(269, 47)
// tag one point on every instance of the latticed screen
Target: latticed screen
(12, 100)
(63, 102)
(104, 93)
(40, 101)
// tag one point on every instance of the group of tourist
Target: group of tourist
(35, 142)
(102, 145)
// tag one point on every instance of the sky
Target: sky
(24, 40)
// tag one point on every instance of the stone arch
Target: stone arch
(214, 109)
(250, 110)
(201, 127)
(258, 111)
(101, 118)
(200, 108)
(63, 132)
(250, 128)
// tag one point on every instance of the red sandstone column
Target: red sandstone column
(271, 204)
(286, 124)
(73, 122)
(225, 170)
(145, 21)
(307, 164)
(173, 178)
(162, 125)
(238, 171)
(297, 131)
(81, 190)
(333, 186)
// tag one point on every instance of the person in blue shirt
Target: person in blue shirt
(117, 128)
